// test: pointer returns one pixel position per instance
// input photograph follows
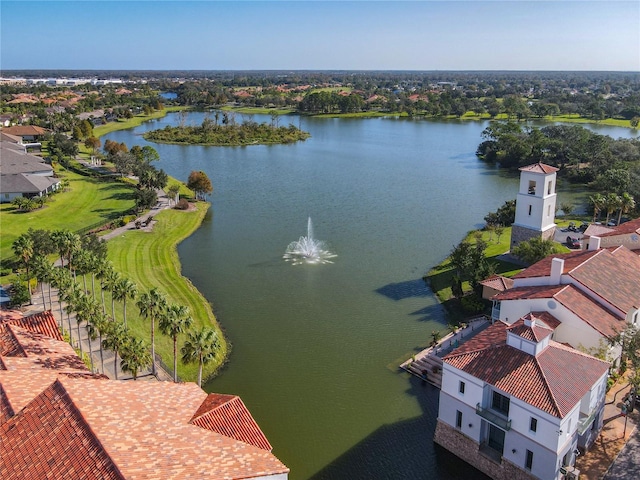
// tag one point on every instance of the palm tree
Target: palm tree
(67, 243)
(23, 248)
(72, 297)
(63, 281)
(135, 357)
(83, 265)
(151, 305)
(103, 270)
(627, 203)
(174, 321)
(88, 310)
(201, 346)
(125, 289)
(43, 271)
(116, 340)
(598, 202)
(612, 202)
(111, 280)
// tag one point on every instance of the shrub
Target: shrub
(182, 204)
(472, 304)
(19, 294)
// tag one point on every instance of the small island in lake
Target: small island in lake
(228, 134)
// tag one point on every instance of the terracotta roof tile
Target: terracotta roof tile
(498, 282)
(534, 331)
(539, 168)
(632, 226)
(553, 381)
(228, 415)
(573, 299)
(543, 267)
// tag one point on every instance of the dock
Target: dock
(427, 364)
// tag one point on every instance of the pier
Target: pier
(427, 364)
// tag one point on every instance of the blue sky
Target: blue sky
(321, 35)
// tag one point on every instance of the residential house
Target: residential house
(516, 405)
(23, 174)
(59, 420)
(601, 236)
(593, 294)
(28, 133)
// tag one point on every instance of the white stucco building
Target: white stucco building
(592, 294)
(516, 404)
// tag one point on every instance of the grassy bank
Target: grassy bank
(150, 259)
(88, 201)
(133, 121)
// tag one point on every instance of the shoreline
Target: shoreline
(214, 369)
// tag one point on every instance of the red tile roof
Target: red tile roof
(228, 415)
(632, 226)
(587, 309)
(553, 381)
(543, 267)
(57, 420)
(535, 331)
(43, 322)
(498, 282)
(539, 168)
(25, 130)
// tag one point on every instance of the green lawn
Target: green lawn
(150, 259)
(132, 122)
(88, 201)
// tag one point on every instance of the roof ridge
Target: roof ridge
(20, 349)
(587, 260)
(64, 394)
(555, 403)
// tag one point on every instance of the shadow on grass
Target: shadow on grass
(407, 289)
(402, 450)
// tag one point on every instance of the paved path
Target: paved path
(105, 363)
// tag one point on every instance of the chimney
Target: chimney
(557, 266)
(530, 320)
(594, 243)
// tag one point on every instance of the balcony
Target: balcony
(494, 418)
(585, 421)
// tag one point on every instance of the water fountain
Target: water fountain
(308, 249)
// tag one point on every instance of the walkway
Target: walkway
(595, 463)
(94, 345)
(427, 364)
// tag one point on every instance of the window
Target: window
(500, 403)
(549, 188)
(529, 460)
(549, 211)
(533, 424)
(458, 419)
(461, 387)
(530, 209)
(532, 187)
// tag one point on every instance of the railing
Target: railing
(585, 422)
(494, 418)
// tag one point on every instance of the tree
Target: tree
(145, 198)
(93, 143)
(627, 203)
(23, 248)
(174, 321)
(151, 305)
(598, 203)
(111, 280)
(612, 203)
(201, 346)
(533, 250)
(125, 289)
(172, 192)
(200, 184)
(567, 208)
(116, 340)
(135, 357)
(43, 270)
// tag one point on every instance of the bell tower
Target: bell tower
(535, 204)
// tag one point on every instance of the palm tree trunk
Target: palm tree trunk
(124, 312)
(101, 354)
(200, 372)
(175, 359)
(44, 302)
(153, 347)
(115, 364)
(90, 351)
(79, 338)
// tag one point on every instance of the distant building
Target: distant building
(59, 420)
(516, 404)
(22, 174)
(535, 204)
(601, 236)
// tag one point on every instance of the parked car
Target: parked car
(583, 227)
(573, 242)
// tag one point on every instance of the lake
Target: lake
(316, 348)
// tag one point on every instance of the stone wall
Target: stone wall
(520, 234)
(468, 450)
